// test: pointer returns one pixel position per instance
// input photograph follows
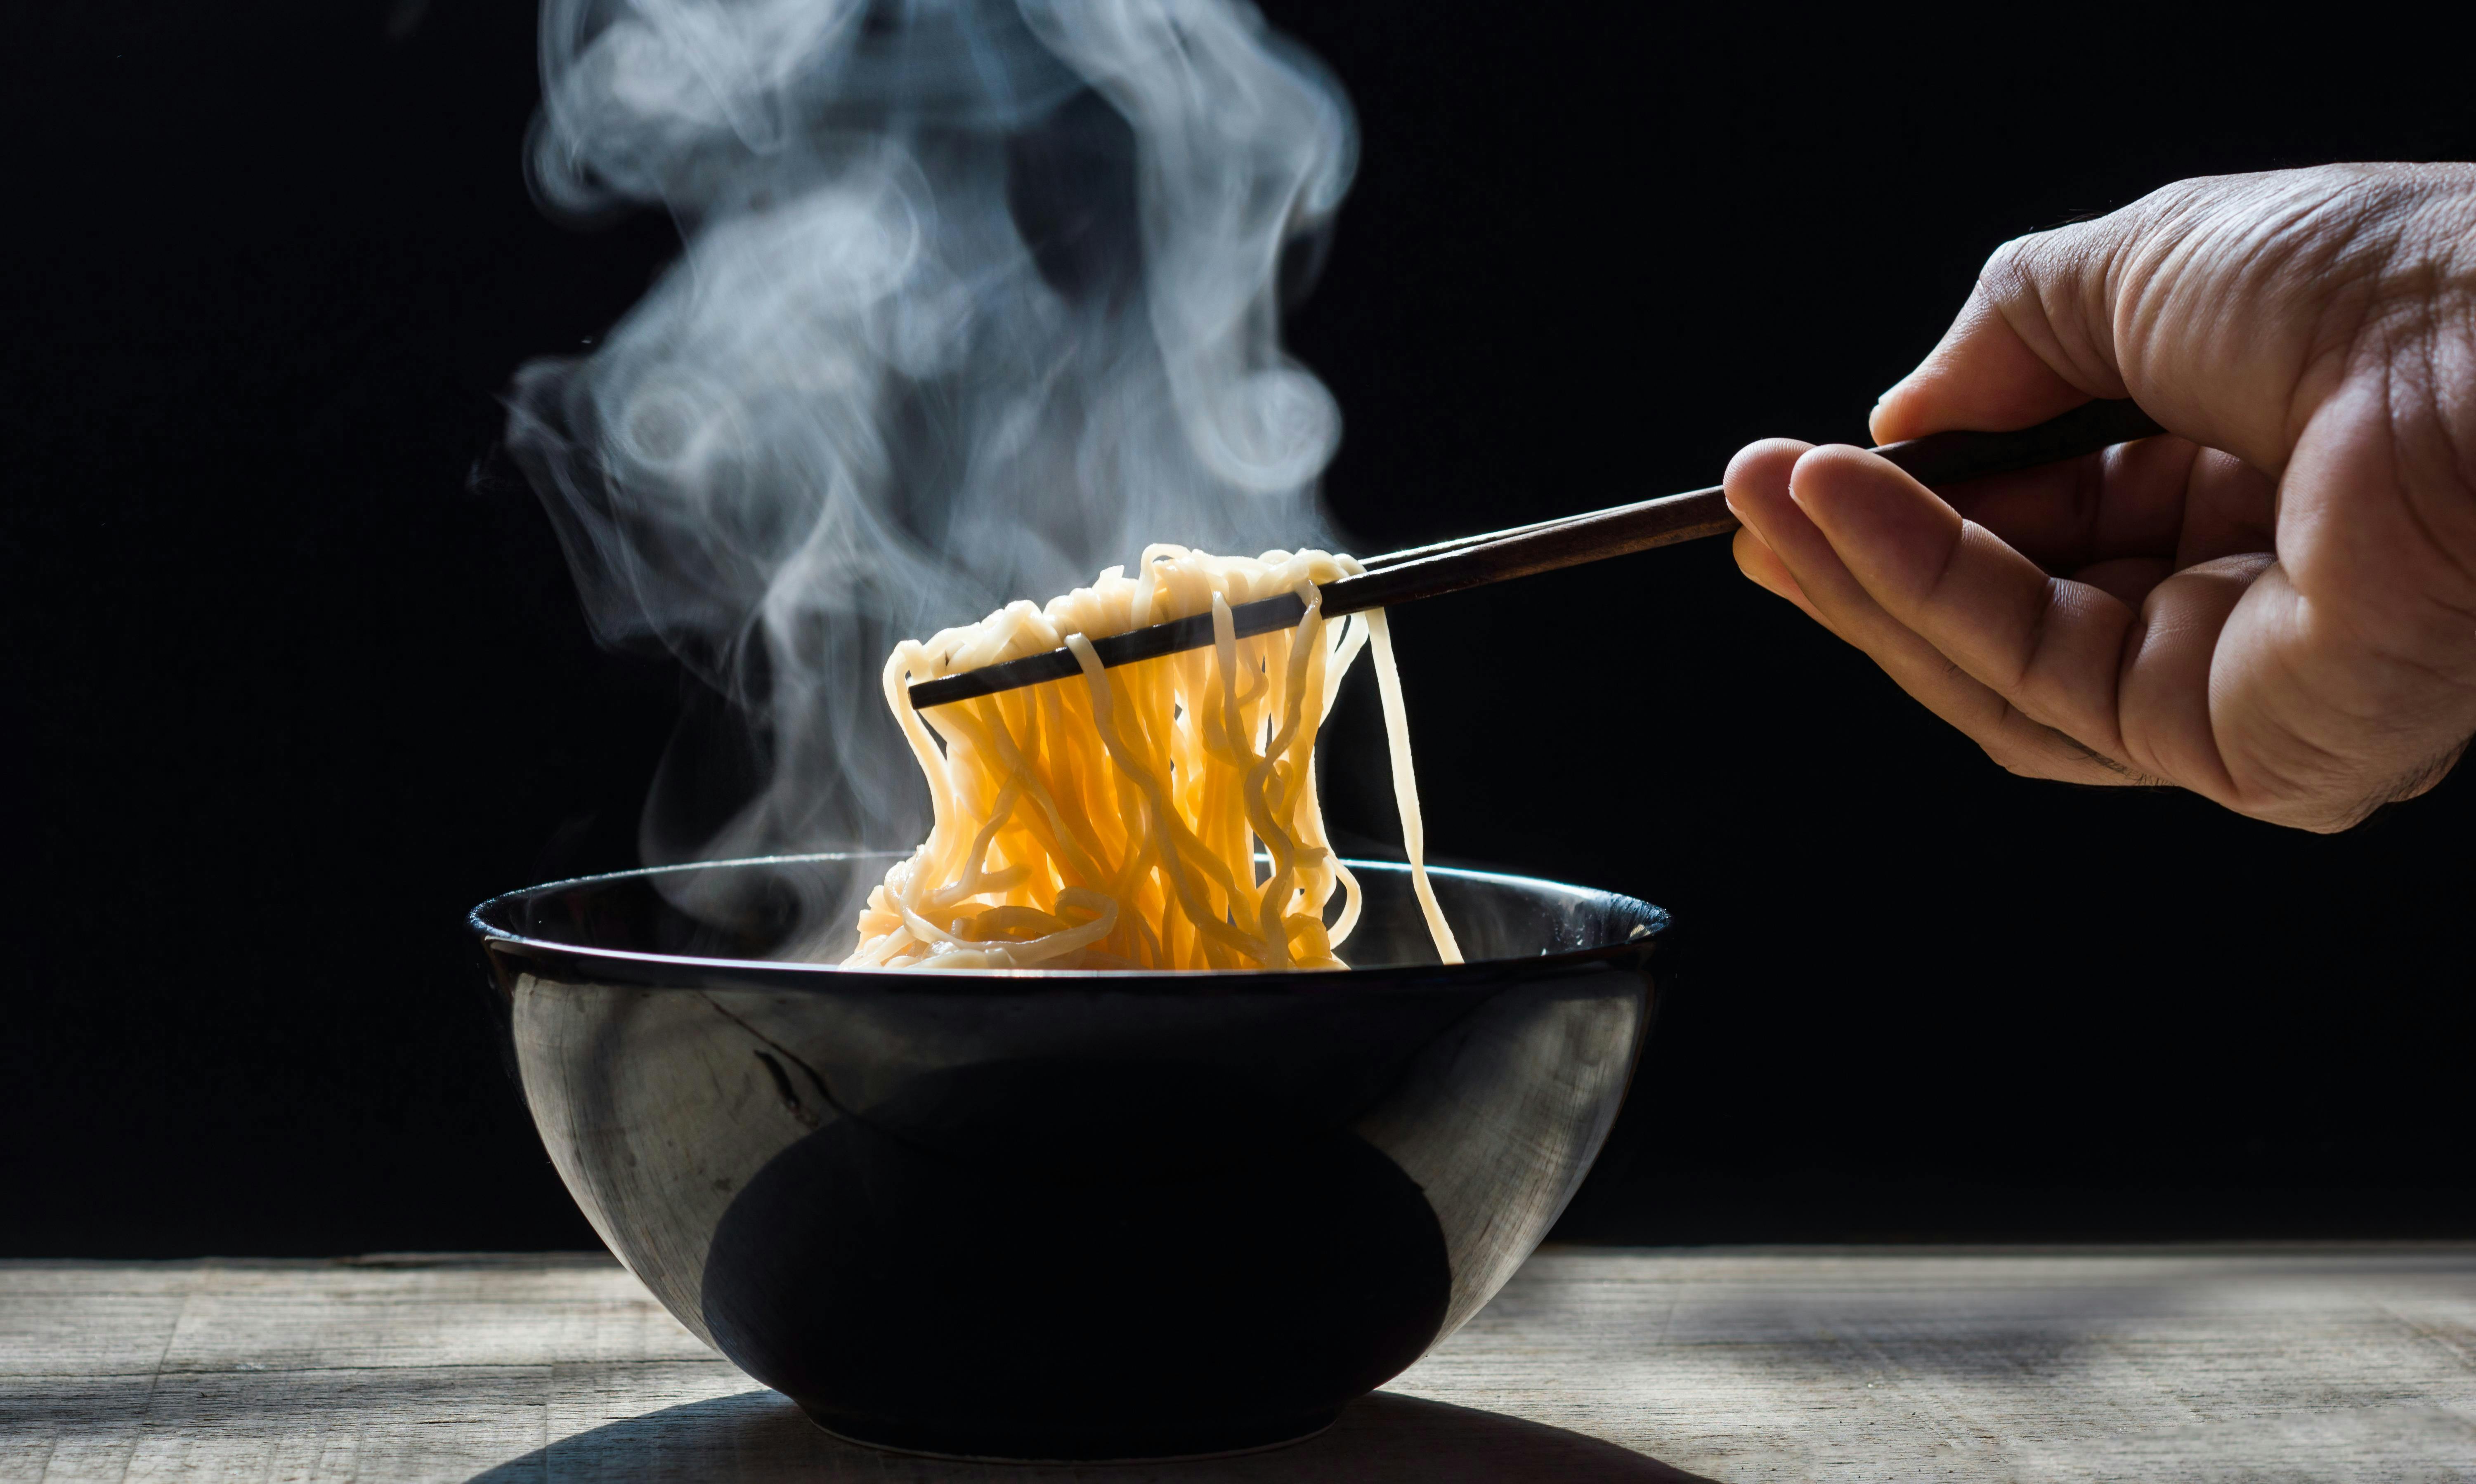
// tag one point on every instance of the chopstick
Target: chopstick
(1545, 546)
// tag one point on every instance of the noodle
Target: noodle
(1115, 821)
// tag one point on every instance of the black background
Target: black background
(295, 673)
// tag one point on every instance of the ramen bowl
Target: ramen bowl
(1066, 1214)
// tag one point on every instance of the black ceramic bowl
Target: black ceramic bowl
(1068, 1215)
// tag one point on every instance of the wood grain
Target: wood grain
(2158, 1365)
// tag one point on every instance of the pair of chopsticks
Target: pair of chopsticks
(1545, 546)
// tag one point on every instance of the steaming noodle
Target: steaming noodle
(1114, 822)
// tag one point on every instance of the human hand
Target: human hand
(2275, 606)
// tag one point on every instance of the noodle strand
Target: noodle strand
(1119, 821)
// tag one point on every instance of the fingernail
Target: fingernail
(1874, 418)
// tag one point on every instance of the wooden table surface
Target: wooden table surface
(2158, 1365)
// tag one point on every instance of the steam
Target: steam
(979, 297)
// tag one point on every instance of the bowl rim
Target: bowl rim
(638, 968)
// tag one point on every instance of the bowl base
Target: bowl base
(1228, 1442)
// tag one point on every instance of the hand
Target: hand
(2275, 606)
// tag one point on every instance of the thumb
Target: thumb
(1987, 376)
(2219, 305)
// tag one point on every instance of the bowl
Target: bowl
(1066, 1214)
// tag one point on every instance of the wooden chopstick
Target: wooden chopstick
(1546, 546)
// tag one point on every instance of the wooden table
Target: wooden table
(2158, 1365)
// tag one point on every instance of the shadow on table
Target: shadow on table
(759, 1437)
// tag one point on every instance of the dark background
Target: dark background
(294, 673)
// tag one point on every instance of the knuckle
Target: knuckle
(2010, 271)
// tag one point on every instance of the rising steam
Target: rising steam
(978, 296)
